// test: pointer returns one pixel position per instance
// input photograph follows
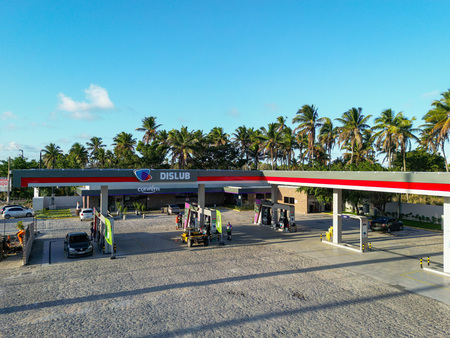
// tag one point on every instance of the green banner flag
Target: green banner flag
(108, 232)
(219, 221)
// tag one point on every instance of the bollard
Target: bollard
(103, 249)
(115, 247)
(363, 248)
(321, 237)
(428, 260)
(421, 265)
(370, 246)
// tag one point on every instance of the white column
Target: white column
(337, 220)
(104, 200)
(274, 193)
(201, 203)
(446, 228)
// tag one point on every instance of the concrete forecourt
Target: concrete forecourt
(262, 283)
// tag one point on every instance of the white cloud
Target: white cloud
(272, 107)
(432, 94)
(64, 141)
(83, 136)
(10, 146)
(7, 115)
(233, 113)
(97, 98)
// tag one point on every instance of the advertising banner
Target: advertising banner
(3, 184)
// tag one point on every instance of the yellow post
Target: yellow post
(428, 260)
(363, 247)
(421, 266)
(370, 246)
(321, 237)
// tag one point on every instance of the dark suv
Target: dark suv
(78, 244)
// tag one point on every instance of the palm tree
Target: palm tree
(353, 126)
(403, 134)
(366, 152)
(438, 121)
(79, 155)
(242, 140)
(218, 137)
(51, 154)
(281, 121)
(150, 127)
(288, 144)
(327, 136)
(271, 140)
(182, 145)
(94, 145)
(124, 143)
(386, 124)
(255, 146)
(308, 120)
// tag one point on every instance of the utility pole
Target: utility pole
(9, 180)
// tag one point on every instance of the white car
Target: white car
(86, 213)
(17, 212)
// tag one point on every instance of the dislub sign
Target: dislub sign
(175, 176)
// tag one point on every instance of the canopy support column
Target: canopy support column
(201, 203)
(274, 194)
(446, 228)
(104, 200)
(337, 220)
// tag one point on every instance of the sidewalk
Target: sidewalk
(394, 258)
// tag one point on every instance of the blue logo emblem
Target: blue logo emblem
(143, 175)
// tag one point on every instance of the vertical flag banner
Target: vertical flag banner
(219, 221)
(108, 232)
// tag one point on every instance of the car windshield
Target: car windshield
(87, 210)
(174, 206)
(382, 219)
(78, 238)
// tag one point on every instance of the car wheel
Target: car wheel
(206, 241)
(400, 227)
(189, 243)
(389, 230)
(7, 216)
(29, 214)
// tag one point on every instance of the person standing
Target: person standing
(177, 221)
(229, 229)
(92, 230)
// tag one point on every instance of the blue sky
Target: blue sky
(71, 70)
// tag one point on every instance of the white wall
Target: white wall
(429, 211)
(59, 202)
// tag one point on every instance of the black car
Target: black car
(78, 244)
(387, 224)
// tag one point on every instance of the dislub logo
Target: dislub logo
(143, 175)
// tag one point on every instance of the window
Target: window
(289, 200)
(259, 196)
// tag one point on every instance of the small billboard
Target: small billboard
(3, 184)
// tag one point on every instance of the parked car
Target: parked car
(78, 244)
(17, 212)
(387, 224)
(171, 209)
(9, 206)
(86, 213)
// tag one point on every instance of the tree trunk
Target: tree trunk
(445, 157)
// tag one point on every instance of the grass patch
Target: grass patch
(63, 213)
(423, 225)
(239, 208)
